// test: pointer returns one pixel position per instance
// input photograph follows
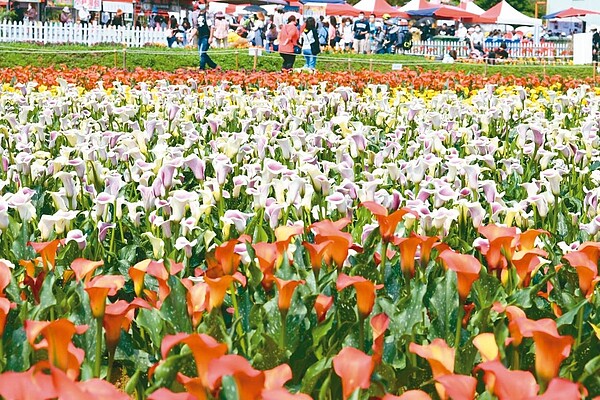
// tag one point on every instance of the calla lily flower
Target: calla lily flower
(506, 384)
(47, 250)
(458, 387)
(379, 324)
(440, 357)
(61, 351)
(467, 270)
(322, 304)
(286, 290)
(218, 288)
(354, 368)
(99, 288)
(387, 222)
(365, 292)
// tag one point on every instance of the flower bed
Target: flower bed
(252, 239)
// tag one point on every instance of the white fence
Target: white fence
(547, 50)
(53, 32)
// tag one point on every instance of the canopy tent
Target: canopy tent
(323, 1)
(504, 13)
(416, 5)
(379, 7)
(258, 2)
(570, 12)
(443, 12)
(471, 7)
(341, 10)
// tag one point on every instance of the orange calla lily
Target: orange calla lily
(286, 291)
(218, 288)
(286, 233)
(166, 394)
(550, 348)
(467, 270)
(93, 389)
(365, 292)
(197, 301)
(155, 269)
(428, 243)
(277, 377)
(283, 394)
(387, 222)
(99, 288)
(336, 250)
(249, 381)
(204, 349)
(223, 260)
(527, 238)
(317, 253)
(379, 324)
(332, 228)
(84, 269)
(526, 262)
(322, 304)
(458, 387)
(31, 384)
(408, 395)
(408, 250)
(506, 384)
(5, 276)
(5, 307)
(117, 317)
(563, 389)
(487, 346)
(440, 357)
(61, 351)
(270, 256)
(501, 244)
(587, 269)
(354, 368)
(47, 250)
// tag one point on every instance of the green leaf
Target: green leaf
(47, 298)
(152, 324)
(568, 317)
(443, 306)
(18, 356)
(229, 388)
(314, 374)
(174, 308)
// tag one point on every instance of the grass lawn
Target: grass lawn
(165, 59)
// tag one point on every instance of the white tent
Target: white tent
(416, 5)
(471, 7)
(504, 13)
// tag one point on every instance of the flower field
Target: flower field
(266, 236)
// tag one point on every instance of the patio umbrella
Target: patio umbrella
(442, 12)
(570, 12)
(341, 9)
(255, 9)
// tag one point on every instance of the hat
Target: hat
(66, 10)
(594, 28)
(386, 16)
(219, 14)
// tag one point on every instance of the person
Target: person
(278, 17)
(361, 31)
(347, 34)
(324, 34)
(194, 14)
(310, 43)
(477, 38)
(258, 27)
(31, 13)
(595, 44)
(221, 29)
(334, 37)
(443, 31)
(271, 38)
(461, 32)
(205, 36)
(288, 39)
(84, 16)
(65, 16)
(118, 18)
(379, 39)
(449, 57)
(501, 52)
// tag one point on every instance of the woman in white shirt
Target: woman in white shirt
(348, 34)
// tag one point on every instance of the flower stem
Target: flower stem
(361, 333)
(98, 359)
(111, 360)
(384, 246)
(579, 325)
(283, 337)
(1, 354)
(459, 315)
(236, 312)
